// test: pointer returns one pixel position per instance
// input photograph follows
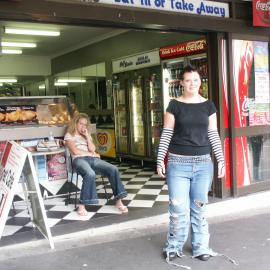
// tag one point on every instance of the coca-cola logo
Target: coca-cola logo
(262, 9)
(102, 138)
(263, 6)
(195, 45)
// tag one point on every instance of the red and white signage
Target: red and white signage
(261, 12)
(11, 168)
(186, 48)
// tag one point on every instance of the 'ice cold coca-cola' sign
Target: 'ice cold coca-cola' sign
(261, 13)
(198, 7)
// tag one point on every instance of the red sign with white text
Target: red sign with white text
(186, 48)
(261, 12)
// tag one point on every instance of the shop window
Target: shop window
(251, 83)
(252, 157)
(86, 87)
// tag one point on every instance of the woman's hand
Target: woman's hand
(85, 133)
(221, 170)
(161, 170)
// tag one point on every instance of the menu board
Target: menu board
(12, 163)
(17, 161)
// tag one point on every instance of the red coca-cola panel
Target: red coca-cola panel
(186, 48)
(243, 55)
(225, 96)
(227, 156)
(261, 12)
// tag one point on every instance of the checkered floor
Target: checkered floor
(145, 190)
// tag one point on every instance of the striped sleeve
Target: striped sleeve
(165, 140)
(216, 145)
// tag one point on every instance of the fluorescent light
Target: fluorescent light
(18, 44)
(1, 84)
(61, 84)
(42, 86)
(72, 80)
(31, 32)
(8, 80)
(6, 51)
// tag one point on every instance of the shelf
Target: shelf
(45, 153)
(30, 132)
(34, 132)
(100, 112)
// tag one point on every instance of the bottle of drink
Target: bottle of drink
(51, 138)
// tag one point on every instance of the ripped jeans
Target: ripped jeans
(189, 179)
(87, 167)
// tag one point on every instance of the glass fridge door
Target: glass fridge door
(171, 80)
(136, 117)
(200, 62)
(120, 116)
(155, 110)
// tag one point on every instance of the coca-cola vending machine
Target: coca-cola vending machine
(174, 58)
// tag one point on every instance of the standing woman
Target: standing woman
(87, 163)
(190, 130)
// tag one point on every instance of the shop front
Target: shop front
(235, 63)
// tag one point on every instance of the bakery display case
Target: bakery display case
(31, 121)
(33, 117)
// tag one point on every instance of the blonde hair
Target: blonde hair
(74, 121)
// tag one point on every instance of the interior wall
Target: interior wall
(125, 44)
(24, 65)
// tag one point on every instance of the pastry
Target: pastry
(27, 115)
(13, 116)
(2, 116)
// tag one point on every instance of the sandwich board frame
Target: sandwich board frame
(17, 163)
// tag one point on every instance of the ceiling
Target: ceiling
(71, 37)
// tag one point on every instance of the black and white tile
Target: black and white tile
(145, 190)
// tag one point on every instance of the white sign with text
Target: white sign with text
(198, 7)
(137, 61)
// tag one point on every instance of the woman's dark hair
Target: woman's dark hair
(187, 69)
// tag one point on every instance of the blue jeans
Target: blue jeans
(189, 179)
(88, 167)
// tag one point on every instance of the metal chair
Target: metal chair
(76, 174)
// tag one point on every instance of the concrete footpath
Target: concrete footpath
(240, 228)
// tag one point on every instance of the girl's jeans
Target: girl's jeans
(189, 179)
(88, 167)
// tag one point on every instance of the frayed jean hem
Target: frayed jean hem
(93, 201)
(120, 196)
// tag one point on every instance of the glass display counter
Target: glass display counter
(33, 117)
(27, 120)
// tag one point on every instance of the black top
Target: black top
(190, 136)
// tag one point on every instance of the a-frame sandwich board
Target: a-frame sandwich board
(17, 163)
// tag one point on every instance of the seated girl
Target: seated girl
(87, 163)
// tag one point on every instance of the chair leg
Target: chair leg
(69, 191)
(13, 207)
(104, 185)
(76, 194)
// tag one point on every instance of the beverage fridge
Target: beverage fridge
(138, 112)
(174, 58)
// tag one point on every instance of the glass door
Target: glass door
(137, 138)
(155, 108)
(121, 130)
(171, 80)
(200, 62)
